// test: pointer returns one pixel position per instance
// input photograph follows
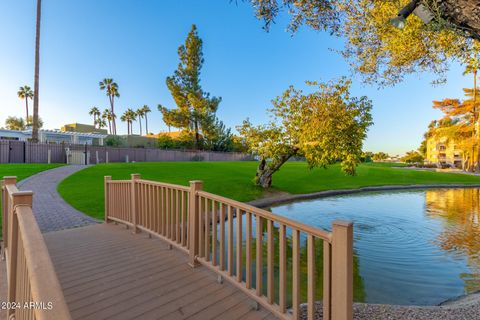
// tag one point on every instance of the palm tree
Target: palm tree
(107, 116)
(140, 113)
(37, 73)
(101, 123)
(123, 118)
(26, 93)
(132, 116)
(96, 115)
(111, 89)
(146, 110)
(129, 116)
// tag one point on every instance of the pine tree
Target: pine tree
(194, 106)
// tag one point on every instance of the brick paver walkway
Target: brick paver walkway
(51, 211)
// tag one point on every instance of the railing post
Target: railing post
(9, 180)
(107, 195)
(133, 210)
(342, 270)
(19, 198)
(193, 221)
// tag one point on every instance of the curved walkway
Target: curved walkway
(51, 211)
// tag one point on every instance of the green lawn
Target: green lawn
(21, 171)
(84, 190)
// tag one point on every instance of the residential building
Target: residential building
(54, 136)
(83, 128)
(443, 151)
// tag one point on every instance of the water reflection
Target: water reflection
(417, 247)
(458, 209)
(359, 290)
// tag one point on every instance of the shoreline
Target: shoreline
(284, 198)
(463, 307)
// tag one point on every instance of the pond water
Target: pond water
(417, 247)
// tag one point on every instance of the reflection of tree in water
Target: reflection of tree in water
(460, 213)
(358, 285)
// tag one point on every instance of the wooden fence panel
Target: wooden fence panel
(12, 151)
(4, 151)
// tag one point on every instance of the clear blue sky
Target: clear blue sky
(135, 42)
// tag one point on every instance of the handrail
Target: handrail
(233, 239)
(34, 291)
(268, 215)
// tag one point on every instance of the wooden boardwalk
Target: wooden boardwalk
(106, 272)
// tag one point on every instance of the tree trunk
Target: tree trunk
(197, 135)
(37, 73)
(464, 14)
(265, 171)
(114, 123)
(26, 107)
(140, 121)
(477, 119)
(146, 124)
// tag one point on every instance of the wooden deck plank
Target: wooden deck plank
(220, 307)
(109, 273)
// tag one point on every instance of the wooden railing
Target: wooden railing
(257, 251)
(34, 291)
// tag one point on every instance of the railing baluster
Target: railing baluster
(178, 213)
(239, 245)
(222, 236)
(167, 212)
(214, 232)
(230, 241)
(151, 215)
(270, 262)
(164, 211)
(154, 208)
(207, 230)
(296, 273)
(172, 214)
(283, 268)
(201, 227)
(184, 219)
(311, 277)
(259, 256)
(327, 280)
(248, 245)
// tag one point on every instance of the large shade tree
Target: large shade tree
(195, 107)
(14, 123)
(376, 49)
(460, 124)
(324, 126)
